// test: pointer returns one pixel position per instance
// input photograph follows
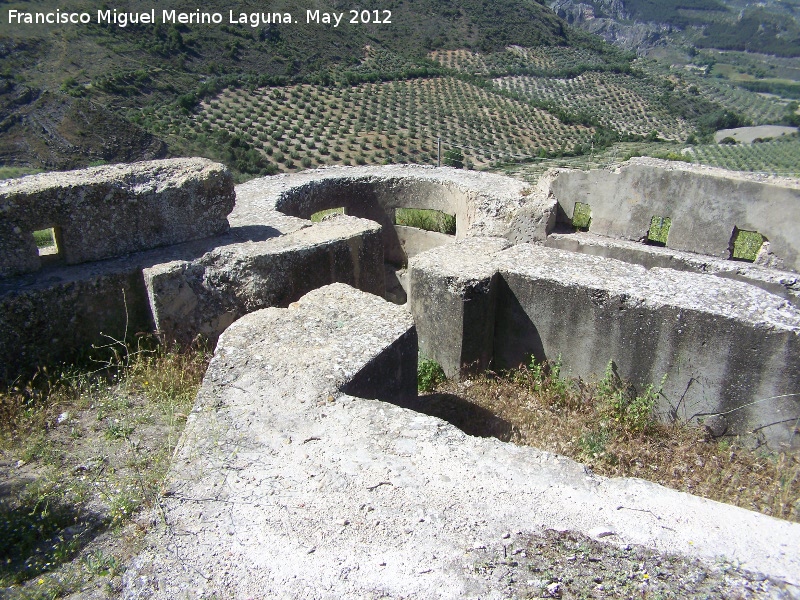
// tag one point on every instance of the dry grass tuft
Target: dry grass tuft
(610, 428)
(81, 455)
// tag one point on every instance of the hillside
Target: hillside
(766, 27)
(500, 83)
(126, 69)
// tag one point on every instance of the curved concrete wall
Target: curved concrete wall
(484, 204)
(704, 203)
(271, 256)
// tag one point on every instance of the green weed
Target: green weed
(429, 375)
(659, 230)
(429, 220)
(581, 216)
(622, 406)
(746, 245)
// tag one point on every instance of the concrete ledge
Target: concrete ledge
(782, 283)
(108, 211)
(284, 487)
(204, 296)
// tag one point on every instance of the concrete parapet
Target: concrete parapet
(483, 204)
(186, 290)
(725, 346)
(204, 296)
(60, 318)
(283, 486)
(705, 205)
(109, 211)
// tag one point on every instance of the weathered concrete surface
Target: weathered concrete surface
(413, 241)
(204, 296)
(61, 316)
(108, 211)
(453, 298)
(782, 283)
(726, 346)
(199, 287)
(704, 203)
(283, 487)
(484, 204)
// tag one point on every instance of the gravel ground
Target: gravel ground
(570, 565)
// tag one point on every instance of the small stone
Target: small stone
(64, 416)
(554, 590)
(715, 425)
(600, 532)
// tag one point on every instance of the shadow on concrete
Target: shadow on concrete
(516, 337)
(468, 417)
(253, 233)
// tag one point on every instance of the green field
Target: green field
(622, 102)
(506, 84)
(521, 105)
(304, 126)
(779, 157)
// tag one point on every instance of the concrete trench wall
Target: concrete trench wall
(313, 486)
(483, 204)
(108, 211)
(492, 297)
(726, 347)
(474, 304)
(199, 287)
(705, 205)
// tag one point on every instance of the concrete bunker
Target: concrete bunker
(462, 296)
(377, 201)
(288, 486)
(500, 292)
(259, 256)
(466, 203)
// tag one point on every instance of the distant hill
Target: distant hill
(124, 69)
(765, 27)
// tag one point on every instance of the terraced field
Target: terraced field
(619, 101)
(529, 107)
(759, 108)
(305, 126)
(541, 58)
(780, 156)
